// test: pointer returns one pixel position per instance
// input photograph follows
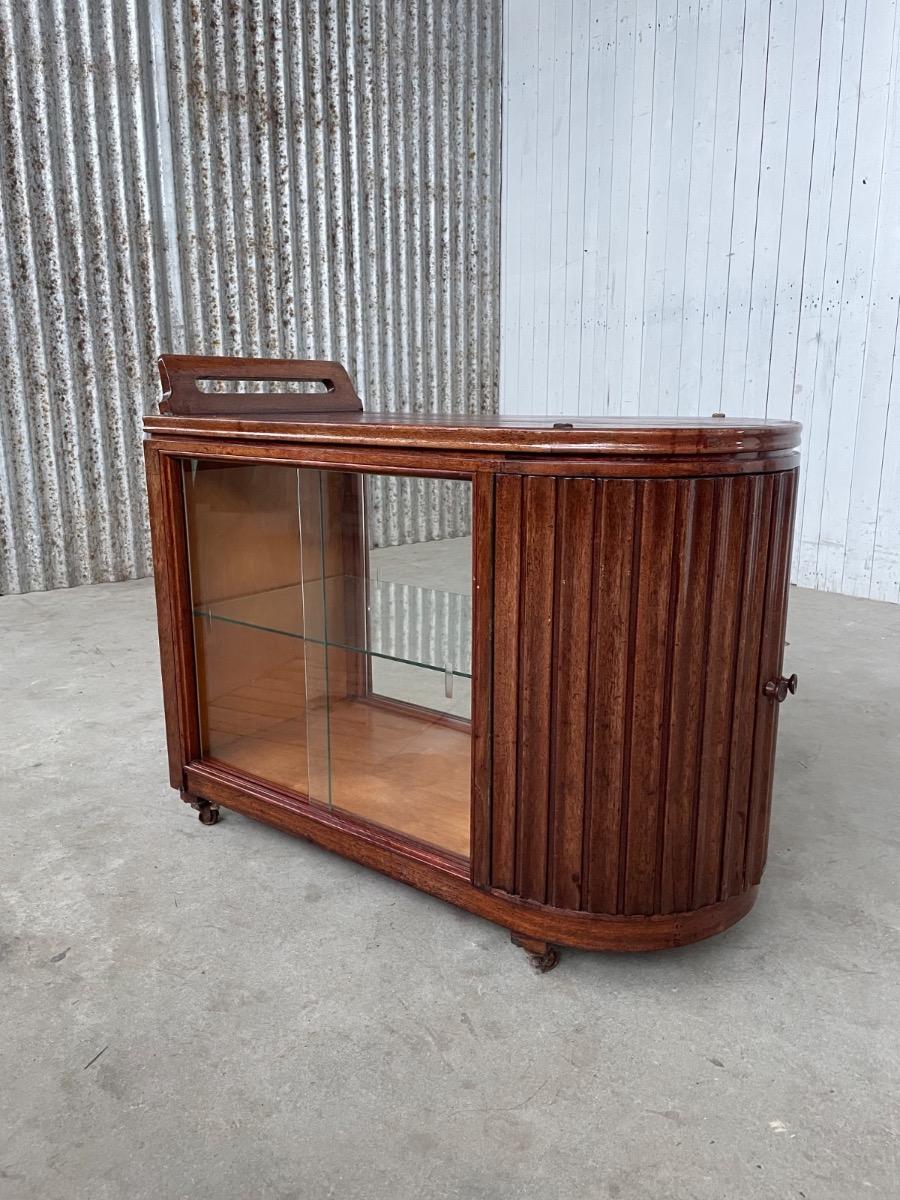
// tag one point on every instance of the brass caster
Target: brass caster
(542, 963)
(208, 813)
(541, 955)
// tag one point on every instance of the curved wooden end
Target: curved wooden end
(590, 931)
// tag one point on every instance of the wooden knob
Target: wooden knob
(779, 688)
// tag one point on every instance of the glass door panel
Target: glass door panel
(332, 615)
(244, 549)
(404, 763)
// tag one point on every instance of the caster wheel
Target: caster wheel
(209, 815)
(542, 963)
(542, 957)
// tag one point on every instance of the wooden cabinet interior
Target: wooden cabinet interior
(562, 718)
(299, 679)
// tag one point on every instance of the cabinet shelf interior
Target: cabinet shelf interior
(405, 623)
(329, 661)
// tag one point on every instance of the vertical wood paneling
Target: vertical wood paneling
(505, 725)
(650, 696)
(616, 554)
(535, 685)
(636, 622)
(696, 524)
(571, 654)
(699, 203)
(746, 684)
(724, 619)
(482, 671)
(770, 659)
(174, 612)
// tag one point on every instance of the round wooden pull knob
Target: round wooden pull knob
(779, 688)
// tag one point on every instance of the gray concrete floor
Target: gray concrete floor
(227, 1013)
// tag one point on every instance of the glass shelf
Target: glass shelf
(404, 623)
(333, 639)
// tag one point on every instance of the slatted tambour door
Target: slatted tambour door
(635, 623)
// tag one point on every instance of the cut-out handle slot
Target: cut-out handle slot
(265, 387)
(194, 385)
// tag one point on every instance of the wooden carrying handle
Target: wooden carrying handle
(180, 374)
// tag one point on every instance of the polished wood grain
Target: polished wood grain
(505, 678)
(483, 508)
(171, 570)
(687, 703)
(432, 872)
(747, 685)
(771, 663)
(181, 374)
(647, 711)
(571, 655)
(655, 438)
(616, 559)
(721, 650)
(462, 463)
(535, 687)
(642, 466)
(335, 416)
(645, 776)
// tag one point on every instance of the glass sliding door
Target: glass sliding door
(332, 615)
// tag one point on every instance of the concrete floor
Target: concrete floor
(228, 1013)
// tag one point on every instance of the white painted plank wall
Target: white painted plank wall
(701, 212)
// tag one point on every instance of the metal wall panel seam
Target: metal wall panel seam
(34, 450)
(274, 177)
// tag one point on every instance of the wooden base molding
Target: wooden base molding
(441, 876)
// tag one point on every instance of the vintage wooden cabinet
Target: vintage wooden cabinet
(531, 666)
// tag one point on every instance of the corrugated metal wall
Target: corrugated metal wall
(317, 178)
(701, 212)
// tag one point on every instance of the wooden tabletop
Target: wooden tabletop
(615, 436)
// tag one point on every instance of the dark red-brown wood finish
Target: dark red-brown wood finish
(637, 642)
(630, 583)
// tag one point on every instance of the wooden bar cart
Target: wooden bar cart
(531, 666)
